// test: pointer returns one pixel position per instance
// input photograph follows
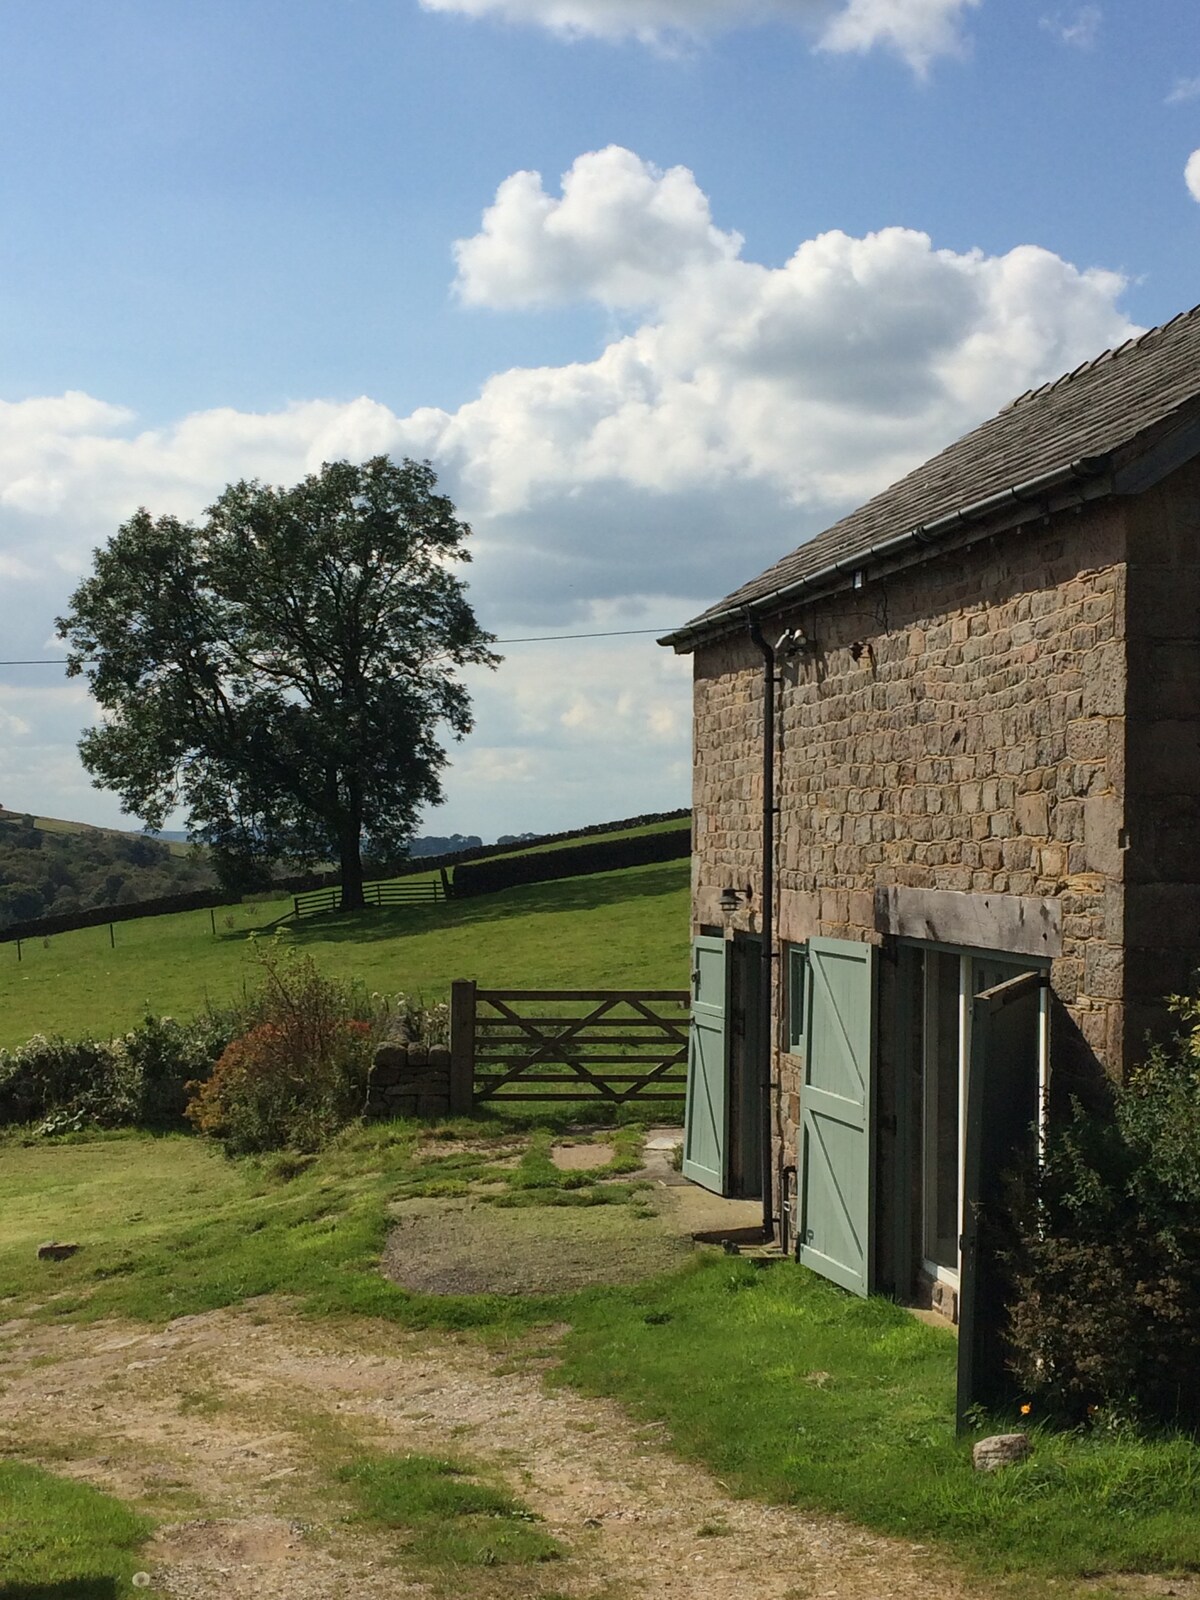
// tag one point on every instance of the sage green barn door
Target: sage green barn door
(706, 1118)
(835, 1159)
(1007, 1038)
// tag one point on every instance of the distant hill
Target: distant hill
(432, 845)
(49, 867)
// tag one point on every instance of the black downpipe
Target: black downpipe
(767, 941)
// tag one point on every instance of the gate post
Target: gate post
(462, 1046)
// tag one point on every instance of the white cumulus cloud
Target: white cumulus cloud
(816, 382)
(742, 409)
(1191, 174)
(917, 30)
(623, 233)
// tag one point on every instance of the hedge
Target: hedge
(572, 861)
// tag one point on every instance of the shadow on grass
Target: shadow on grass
(64, 1589)
(562, 894)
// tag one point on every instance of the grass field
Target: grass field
(787, 1388)
(792, 1390)
(170, 1227)
(614, 929)
(64, 1541)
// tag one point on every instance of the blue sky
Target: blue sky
(802, 244)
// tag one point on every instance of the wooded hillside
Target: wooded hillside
(44, 870)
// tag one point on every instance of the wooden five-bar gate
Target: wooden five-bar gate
(608, 1045)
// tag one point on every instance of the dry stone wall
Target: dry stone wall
(409, 1080)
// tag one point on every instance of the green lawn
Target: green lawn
(61, 1540)
(787, 1388)
(169, 1227)
(445, 1513)
(606, 931)
(794, 1391)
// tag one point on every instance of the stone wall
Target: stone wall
(960, 727)
(1162, 863)
(959, 730)
(410, 1080)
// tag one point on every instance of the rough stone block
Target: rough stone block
(1103, 820)
(56, 1250)
(1104, 972)
(1032, 811)
(1001, 1450)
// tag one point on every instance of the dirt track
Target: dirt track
(226, 1426)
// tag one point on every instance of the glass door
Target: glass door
(950, 980)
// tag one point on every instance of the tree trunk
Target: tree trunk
(350, 861)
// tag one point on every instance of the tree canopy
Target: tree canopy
(282, 669)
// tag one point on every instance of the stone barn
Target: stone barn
(947, 828)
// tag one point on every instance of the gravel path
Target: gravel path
(225, 1426)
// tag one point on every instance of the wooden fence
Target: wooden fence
(393, 892)
(610, 1045)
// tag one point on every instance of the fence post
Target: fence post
(462, 1046)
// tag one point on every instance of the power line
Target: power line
(616, 633)
(529, 638)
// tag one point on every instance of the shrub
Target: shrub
(137, 1080)
(1107, 1314)
(298, 1073)
(165, 1056)
(66, 1083)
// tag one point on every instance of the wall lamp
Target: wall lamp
(795, 642)
(732, 898)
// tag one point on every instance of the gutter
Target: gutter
(766, 943)
(925, 533)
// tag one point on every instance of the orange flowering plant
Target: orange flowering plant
(298, 1072)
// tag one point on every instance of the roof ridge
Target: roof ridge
(1135, 341)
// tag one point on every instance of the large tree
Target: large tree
(282, 669)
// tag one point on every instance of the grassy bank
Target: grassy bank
(787, 1388)
(60, 1539)
(610, 930)
(169, 1227)
(793, 1391)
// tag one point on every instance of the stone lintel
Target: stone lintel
(1017, 924)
